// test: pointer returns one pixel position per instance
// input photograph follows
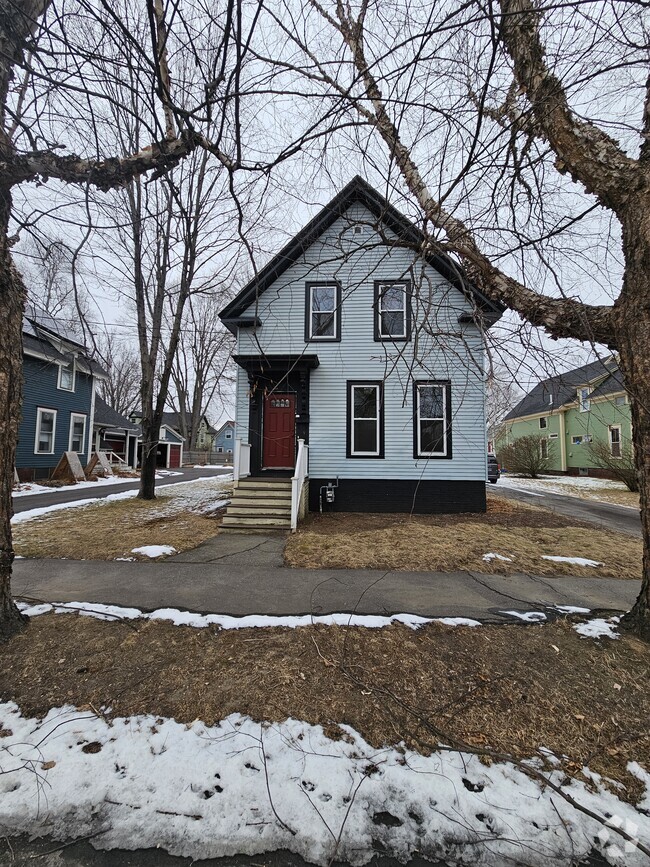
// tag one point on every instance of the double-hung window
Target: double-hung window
(77, 432)
(365, 420)
(323, 311)
(432, 417)
(66, 376)
(583, 399)
(543, 449)
(615, 440)
(392, 310)
(45, 431)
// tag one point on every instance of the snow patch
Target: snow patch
(527, 616)
(194, 495)
(575, 561)
(598, 628)
(243, 787)
(491, 556)
(250, 621)
(154, 550)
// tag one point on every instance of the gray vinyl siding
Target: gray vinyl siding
(440, 349)
(40, 390)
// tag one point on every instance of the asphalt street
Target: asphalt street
(71, 493)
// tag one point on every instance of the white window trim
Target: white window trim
(380, 310)
(73, 416)
(377, 420)
(584, 403)
(620, 440)
(39, 412)
(228, 434)
(73, 367)
(313, 336)
(543, 447)
(576, 441)
(418, 419)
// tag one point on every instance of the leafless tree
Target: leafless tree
(502, 395)
(521, 132)
(120, 360)
(200, 371)
(60, 67)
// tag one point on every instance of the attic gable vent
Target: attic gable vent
(358, 230)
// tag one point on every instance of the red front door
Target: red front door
(279, 431)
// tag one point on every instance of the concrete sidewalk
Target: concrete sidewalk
(243, 574)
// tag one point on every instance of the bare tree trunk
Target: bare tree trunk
(12, 301)
(148, 466)
(632, 322)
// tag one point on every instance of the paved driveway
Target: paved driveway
(70, 493)
(619, 518)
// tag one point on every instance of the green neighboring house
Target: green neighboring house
(570, 412)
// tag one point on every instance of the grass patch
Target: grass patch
(107, 530)
(508, 688)
(449, 543)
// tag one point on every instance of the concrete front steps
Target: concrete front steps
(259, 506)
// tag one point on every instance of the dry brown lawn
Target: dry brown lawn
(445, 543)
(105, 531)
(508, 688)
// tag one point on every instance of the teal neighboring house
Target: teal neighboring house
(571, 411)
(59, 388)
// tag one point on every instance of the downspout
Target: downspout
(562, 442)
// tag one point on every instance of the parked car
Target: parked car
(493, 469)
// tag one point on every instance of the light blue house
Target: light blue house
(58, 396)
(370, 354)
(223, 440)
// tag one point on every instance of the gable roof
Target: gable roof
(562, 388)
(358, 190)
(173, 420)
(44, 336)
(106, 416)
(228, 423)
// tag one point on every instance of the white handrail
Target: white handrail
(298, 482)
(241, 463)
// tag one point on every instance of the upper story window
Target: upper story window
(45, 431)
(393, 310)
(228, 434)
(543, 422)
(365, 420)
(66, 376)
(432, 401)
(620, 400)
(323, 311)
(583, 399)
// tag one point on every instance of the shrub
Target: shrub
(524, 456)
(621, 468)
